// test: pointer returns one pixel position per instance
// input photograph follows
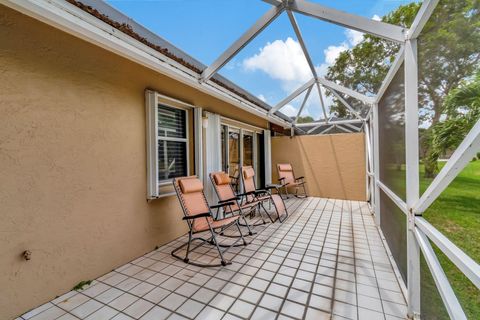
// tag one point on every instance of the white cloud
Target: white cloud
(376, 17)
(262, 97)
(354, 37)
(281, 60)
(289, 110)
(331, 54)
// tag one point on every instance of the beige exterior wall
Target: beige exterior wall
(333, 165)
(73, 161)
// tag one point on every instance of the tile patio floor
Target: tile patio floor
(326, 261)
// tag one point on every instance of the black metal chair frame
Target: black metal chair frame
(266, 192)
(238, 200)
(210, 240)
(301, 183)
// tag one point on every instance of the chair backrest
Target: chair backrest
(248, 178)
(222, 185)
(190, 193)
(285, 170)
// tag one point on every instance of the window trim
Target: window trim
(153, 100)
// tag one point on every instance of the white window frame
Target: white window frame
(155, 188)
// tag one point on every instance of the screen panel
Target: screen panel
(391, 112)
(393, 223)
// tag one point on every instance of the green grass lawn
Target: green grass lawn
(456, 213)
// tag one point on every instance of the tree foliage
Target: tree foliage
(462, 107)
(305, 119)
(448, 53)
(364, 67)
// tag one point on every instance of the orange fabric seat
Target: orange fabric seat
(198, 215)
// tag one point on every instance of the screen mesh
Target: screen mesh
(393, 223)
(391, 112)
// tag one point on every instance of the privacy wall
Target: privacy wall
(333, 165)
(73, 162)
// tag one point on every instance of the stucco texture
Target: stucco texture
(73, 161)
(333, 165)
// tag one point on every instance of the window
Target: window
(168, 145)
(172, 143)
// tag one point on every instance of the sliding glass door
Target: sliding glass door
(240, 147)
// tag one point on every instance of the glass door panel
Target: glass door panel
(247, 148)
(224, 133)
(234, 157)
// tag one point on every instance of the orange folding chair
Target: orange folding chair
(199, 217)
(287, 179)
(242, 206)
(263, 195)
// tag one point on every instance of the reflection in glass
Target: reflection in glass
(172, 159)
(247, 149)
(234, 157)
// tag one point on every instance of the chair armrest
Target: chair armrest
(280, 179)
(223, 204)
(228, 200)
(300, 178)
(270, 187)
(246, 194)
(195, 216)
(260, 191)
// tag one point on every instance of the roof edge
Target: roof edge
(115, 37)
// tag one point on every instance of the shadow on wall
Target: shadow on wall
(333, 165)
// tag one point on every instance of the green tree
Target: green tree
(305, 119)
(447, 54)
(462, 108)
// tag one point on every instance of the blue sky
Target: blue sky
(272, 65)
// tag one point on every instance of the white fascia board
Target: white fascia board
(377, 28)
(73, 20)
(349, 92)
(292, 96)
(241, 42)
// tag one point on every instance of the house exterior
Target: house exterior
(77, 190)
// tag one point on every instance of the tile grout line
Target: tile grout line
(303, 256)
(270, 254)
(169, 244)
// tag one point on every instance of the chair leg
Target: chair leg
(243, 239)
(260, 213)
(214, 240)
(268, 214)
(188, 246)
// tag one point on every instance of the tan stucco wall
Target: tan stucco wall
(333, 165)
(72, 161)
